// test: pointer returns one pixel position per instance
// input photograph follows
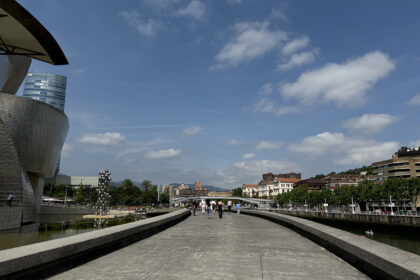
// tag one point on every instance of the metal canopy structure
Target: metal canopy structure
(22, 34)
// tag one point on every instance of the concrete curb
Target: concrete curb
(25, 260)
(377, 260)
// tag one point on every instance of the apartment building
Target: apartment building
(405, 163)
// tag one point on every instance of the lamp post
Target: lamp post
(306, 206)
(352, 205)
(391, 204)
(325, 205)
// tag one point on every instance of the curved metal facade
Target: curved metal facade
(32, 135)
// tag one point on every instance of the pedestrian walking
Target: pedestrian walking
(238, 208)
(10, 199)
(208, 204)
(229, 205)
(194, 207)
(213, 207)
(203, 206)
(220, 209)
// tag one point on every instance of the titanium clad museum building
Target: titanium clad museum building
(32, 133)
(48, 88)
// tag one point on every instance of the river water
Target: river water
(405, 238)
(53, 227)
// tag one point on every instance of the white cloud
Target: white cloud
(298, 59)
(415, 143)
(191, 130)
(235, 142)
(78, 72)
(251, 40)
(248, 156)
(415, 100)
(257, 167)
(266, 89)
(161, 4)
(67, 148)
(267, 106)
(147, 27)
(295, 45)
(163, 154)
(195, 9)
(278, 13)
(102, 139)
(233, 2)
(354, 150)
(343, 84)
(369, 123)
(269, 145)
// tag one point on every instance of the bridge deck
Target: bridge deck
(235, 247)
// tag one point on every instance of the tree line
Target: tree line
(125, 195)
(401, 190)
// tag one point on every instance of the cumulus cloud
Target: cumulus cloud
(295, 45)
(146, 27)
(102, 139)
(415, 143)
(257, 167)
(163, 154)
(195, 9)
(369, 123)
(67, 148)
(415, 100)
(235, 142)
(353, 150)
(233, 2)
(161, 4)
(343, 84)
(269, 145)
(298, 59)
(278, 13)
(191, 130)
(265, 105)
(251, 40)
(248, 156)
(266, 89)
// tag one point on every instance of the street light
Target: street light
(326, 205)
(391, 204)
(306, 206)
(352, 205)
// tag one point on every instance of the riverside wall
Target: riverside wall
(398, 220)
(27, 261)
(377, 260)
(62, 210)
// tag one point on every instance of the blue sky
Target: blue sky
(221, 91)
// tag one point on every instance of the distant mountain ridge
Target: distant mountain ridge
(210, 188)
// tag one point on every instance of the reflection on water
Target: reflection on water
(404, 238)
(53, 226)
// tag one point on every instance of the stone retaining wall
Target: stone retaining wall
(399, 220)
(26, 261)
(377, 260)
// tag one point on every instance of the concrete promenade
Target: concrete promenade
(235, 247)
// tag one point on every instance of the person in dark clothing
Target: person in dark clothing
(220, 209)
(194, 207)
(208, 208)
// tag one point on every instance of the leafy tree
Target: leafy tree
(237, 192)
(147, 184)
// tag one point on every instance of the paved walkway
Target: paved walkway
(235, 247)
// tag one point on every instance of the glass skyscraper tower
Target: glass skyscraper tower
(48, 88)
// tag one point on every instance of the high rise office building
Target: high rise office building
(47, 88)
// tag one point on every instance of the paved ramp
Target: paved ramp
(235, 247)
